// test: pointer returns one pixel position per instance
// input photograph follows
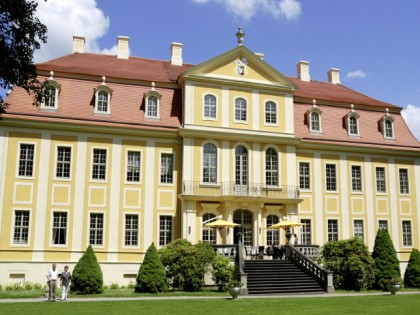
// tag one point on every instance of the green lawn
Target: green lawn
(366, 304)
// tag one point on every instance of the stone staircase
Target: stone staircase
(278, 277)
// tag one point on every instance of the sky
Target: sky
(374, 43)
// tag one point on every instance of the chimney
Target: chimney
(176, 54)
(334, 76)
(303, 71)
(260, 55)
(78, 44)
(123, 50)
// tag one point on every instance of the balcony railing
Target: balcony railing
(232, 189)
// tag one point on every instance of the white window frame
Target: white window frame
(331, 234)
(12, 230)
(99, 89)
(90, 212)
(125, 214)
(405, 234)
(20, 143)
(304, 175)
(304, 233)
(217, 163)
(100, 180)
(404, 186)
(126, 181)
(272, 236)
(380, 222)
(161, 153)
(158, 96)
(271, 114)
(309, 113)
(171, 231)
(45, 105)
(206, 105)
(241, 121)
(356, 229)
(210, 231)
(357, 191)
(52, 228)
(275, 171)
(350, 126)
(56, 162)
(387, 118)
(377, 180)
(327, 178)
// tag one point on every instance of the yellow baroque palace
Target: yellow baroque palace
(126, 151)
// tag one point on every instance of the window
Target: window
(383, 224)
(59, 229)
(332, 230)
(26, 159)
(131, 230)
(407, 234)
(270, 113)
(305, 232)
(21, 228)
(358, 229)
(304, 177)
(389, 133)
(404, 181)
(330, 176)
(210, 106)
(313, 118)
(102, 103)
(63, 162)
(240, 109)
(96, 229)
(209, 233)
(380, 180)
(165, 230)
(166, 168)
(271, 167)
(209, 163)
(50, 102)
(315, 122)
(241, 167)
(50, 97)
(272, 237)
(356, 178)
(133, 166)
(99, 164)
(152, 106)
(353, 126)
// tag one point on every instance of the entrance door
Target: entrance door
(241, 170)
(244, 218)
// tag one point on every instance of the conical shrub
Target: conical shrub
(412, 273)
(87, 275)
(152, 276)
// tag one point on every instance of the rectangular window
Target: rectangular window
(304, 178)
(407, 234)
(383, 224)
(26, 159)
(165, 230)
(332, 230)
(270, 113)
(166, 168)
(96, 229)
(356, 178)
(380, 180)
(358, 229)
(133, 166)
(21, 227)
(59, 230)
(63, 162)
(305, 232)
(99, 164)
(330, 176)
(131, 230)
(404, 188)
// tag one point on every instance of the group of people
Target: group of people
(52, 279)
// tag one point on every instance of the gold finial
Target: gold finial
(240, 36)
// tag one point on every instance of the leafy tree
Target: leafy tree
(87, 275)
(351, 263)
(412, 273)
(222, 270)
(151, 277)
(20, 35)
(387, 265)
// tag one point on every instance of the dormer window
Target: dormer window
(314, 119)
(387, 126)
(352, 122)
(103, 98)
(152, 102)
(50, 102)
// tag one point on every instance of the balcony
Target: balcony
(229, 190)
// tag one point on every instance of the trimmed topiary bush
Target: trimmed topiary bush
(152, 276)
(87, 276)
(387, 266)
(412, 273)
(351, 263)
(222, 271)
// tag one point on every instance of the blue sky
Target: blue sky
(374, 43)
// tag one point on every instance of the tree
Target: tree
(412, 272)
(87, 275)
(151, 277)
(351, 263)
(222, 270)
(387, 265)
(20, 35)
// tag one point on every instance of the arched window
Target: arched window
(152, 106)
(50, 102)
(102, 102)
(50, 97)
(209, 163)
(210, 106)
(271, 167)
(272, 236)
(353, 126)
(241, 168)
(240, 109)
(388, 128)
(209, 233)
(152, 103)
(315, 122)
(270, 113)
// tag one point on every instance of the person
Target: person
(295, 239)
(65, 283)
(52, 276)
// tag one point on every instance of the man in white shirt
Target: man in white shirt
(52, 277)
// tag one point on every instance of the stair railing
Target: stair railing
(320, 274)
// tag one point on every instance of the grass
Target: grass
(365, 304)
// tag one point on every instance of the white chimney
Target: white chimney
(260, 55)
(78, 44)
(123, 50)
(303, 71)
(176, 54)
(334, 76)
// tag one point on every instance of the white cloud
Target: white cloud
(67, 18)
(357, 74)
(411, 115)
(247, 9)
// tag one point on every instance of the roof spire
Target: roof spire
(240, 35)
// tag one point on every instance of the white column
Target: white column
(255, 110)
(226, 158)
(189, 103)
(149, 225)
(370, 206)
(416, 212)
(289, 112)
(188, 159)
(225, 107)
(319, 195)
(291, 165)
(344, 193)
(256, 165)
(3, 162)
(393, 204)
